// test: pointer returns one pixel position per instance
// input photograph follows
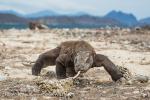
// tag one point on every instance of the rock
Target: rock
(144, 95)
(8, 68)
(70, 95)
(136, 92)
(2, 78)
(36, 25)
(43, 26)
(141, 78)
(130, 82)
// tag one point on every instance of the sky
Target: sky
(140, 8)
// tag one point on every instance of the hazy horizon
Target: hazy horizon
(95, 7)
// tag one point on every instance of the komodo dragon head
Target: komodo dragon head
(83, 61)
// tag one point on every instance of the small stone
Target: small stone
(104, 92)
(144, 95)
(7, 67)
(2, 78)
(70, 95)
(129, 82)
(142, 79)
(136, 92)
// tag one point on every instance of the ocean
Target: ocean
(70, 26)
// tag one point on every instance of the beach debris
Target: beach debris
(57, 87)
(36, 25)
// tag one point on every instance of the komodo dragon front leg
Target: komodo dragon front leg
(64, 67)
(109, 66)
(46, 59)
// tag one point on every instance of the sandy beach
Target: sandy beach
(125, 47)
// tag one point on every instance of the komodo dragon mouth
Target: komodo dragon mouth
(79, 72)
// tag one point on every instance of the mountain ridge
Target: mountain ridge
(127, 19)
(112, 18)
(145, 21)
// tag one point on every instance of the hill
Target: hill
(72, 20)
(10, 18)
(83, 20)
(124, 18)
(145, 21)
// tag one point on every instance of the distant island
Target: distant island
(12, 19)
